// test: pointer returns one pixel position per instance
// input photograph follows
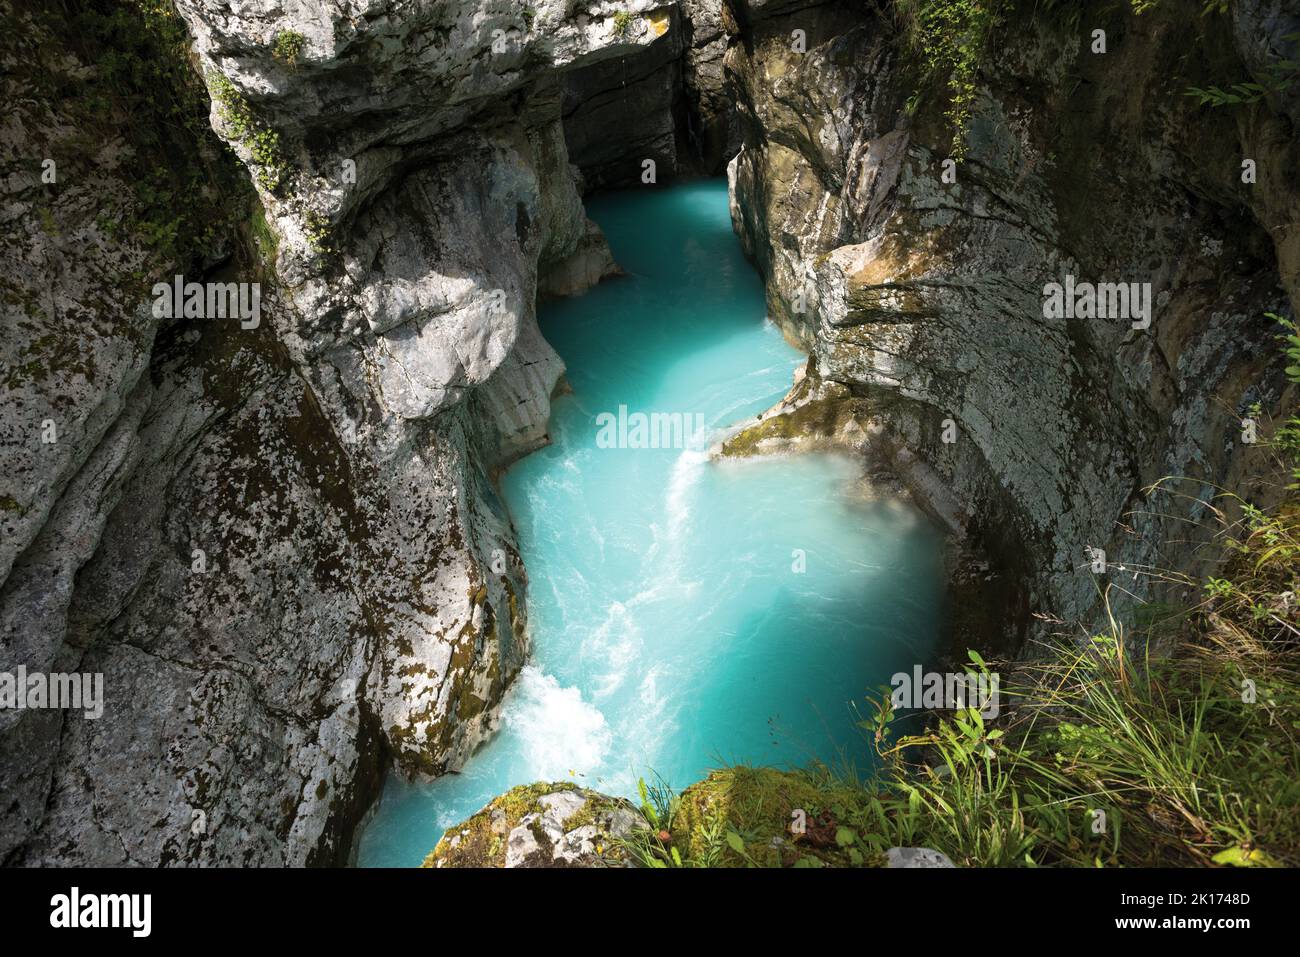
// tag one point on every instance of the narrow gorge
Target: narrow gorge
(311, 549)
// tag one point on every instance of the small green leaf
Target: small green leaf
(845, 836)
(1240, 857)
(736, 841)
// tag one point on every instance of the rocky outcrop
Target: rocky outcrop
(918, 284)
(736, 817)
(279, 541)
(917, 857)
(542, 825)
(622, 112)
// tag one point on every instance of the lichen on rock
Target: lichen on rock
(541, 825)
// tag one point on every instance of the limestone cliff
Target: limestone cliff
(279, 542)
(921, 297)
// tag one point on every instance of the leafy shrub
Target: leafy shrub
(288, 46)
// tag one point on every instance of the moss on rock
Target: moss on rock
(744, 816)
(814, 414)
(545, 824)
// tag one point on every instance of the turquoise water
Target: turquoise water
(671, 630)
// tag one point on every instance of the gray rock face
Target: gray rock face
(926, 857)
(712, 128)
(669, 104)
(624, 111)
(281, 546)
(1267, 34)
(541, 825)
(922, 300)
(545, 839)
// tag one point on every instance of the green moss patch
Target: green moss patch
(744, 817)
(480, 841)
(810, 421)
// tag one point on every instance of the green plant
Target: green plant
(318, 233)
(245, 127)
(288, 46)
(1286, 440)
(1108, 761)
(652, 845)
(623, 21)
(138, 90)
(950, 38)
(1239, 93)
(268, 243)
(1279, 76)
(1209, 6)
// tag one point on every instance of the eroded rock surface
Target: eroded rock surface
(281, 544)
(922, 300)
(541, 825)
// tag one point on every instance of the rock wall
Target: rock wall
(281, 545)
(668, 103)
(922, 300)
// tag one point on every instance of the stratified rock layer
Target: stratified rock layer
(922, 299)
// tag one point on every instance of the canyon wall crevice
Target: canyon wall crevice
(669, 104)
